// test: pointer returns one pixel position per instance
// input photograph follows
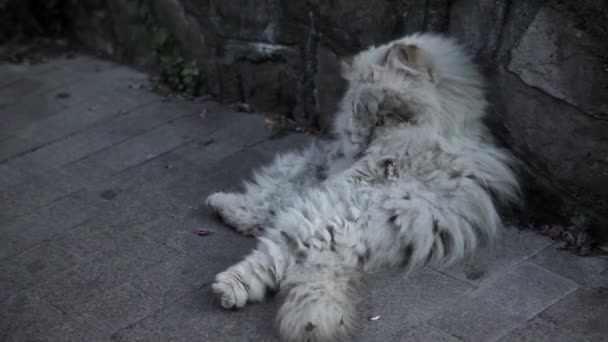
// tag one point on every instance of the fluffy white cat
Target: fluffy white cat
(412, 178)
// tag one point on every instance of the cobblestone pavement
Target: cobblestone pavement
(101, 185)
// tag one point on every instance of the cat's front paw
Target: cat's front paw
(230, 291)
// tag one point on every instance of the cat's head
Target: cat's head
(431, 73)
(380, 64)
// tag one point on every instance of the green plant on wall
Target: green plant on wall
(179, 74)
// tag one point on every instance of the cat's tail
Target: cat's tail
(320, 303)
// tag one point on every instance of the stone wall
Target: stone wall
(546, 61)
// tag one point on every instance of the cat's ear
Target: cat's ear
(400, 55)
(407, 57)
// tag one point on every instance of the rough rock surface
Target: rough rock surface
(547, 62)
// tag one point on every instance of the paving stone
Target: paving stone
(22, 232)
(541, 330)
(114, 131)
(11, 146)
(98, 239)
(29, 112)
(583, 312)
(86, 242)
(118, 307)
(46, 185)
(245, 131)
(34, 84)
(9, 73)
(90, 102)
(140, 193)
(151, 144)
(424, 333)
(112, 80)
(77, 65)
(198, 317)
(8, 287)
(74, 330)
(86, 173)
(9, 176)
(405, 303)
(513, 247)
(26, 318)
(582, 270)
(161, 170)
(210, 254)
(151, 116)
(172, 279)
(132, 255)
(22, 197)
(87, 65)
(509, 299)
(76, 118)
(34, 265)
(47, 102)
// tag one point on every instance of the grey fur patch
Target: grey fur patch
(408, 251)
(301, 256)
(332, 242)
(291, 242)
(242, 282)
(321, 172)
(364, 257)
(300, 299)
(447, 241)
(455, 174)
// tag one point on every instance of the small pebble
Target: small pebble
(373, 318)
(203, 232)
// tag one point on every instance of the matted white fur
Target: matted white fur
(412, 178)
